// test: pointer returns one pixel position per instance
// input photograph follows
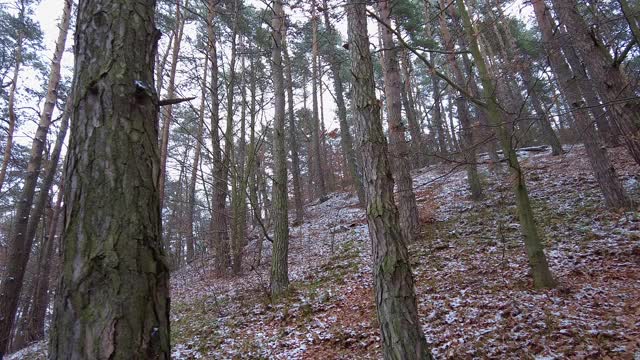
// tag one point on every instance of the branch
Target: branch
(620, 58)
(444, 77)
(166, 102)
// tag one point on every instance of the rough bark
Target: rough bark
(542, 276)
(397, 142)
(113, 296)
(612, 190)
(393, 282)
(279, 258)
(20, 242)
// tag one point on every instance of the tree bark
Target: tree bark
(279, 258)
(113, 297)
(631, 15)
(393, 282)
(397, 142)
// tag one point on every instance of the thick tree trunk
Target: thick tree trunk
(614, 193)
(542, 277)
(21, 241)
(608, 77)
(397, 142)
(293, 141)
(113, 297)
(394, 294)
(280, 255)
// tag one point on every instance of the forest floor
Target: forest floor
(475, 297)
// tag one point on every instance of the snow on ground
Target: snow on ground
(475, 297)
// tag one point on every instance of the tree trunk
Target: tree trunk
(293, 141)
(394, 294)
(397, 142)
(113, 297)
(614, 194)
(468, 147)
(220, 236)
(631, 15)
(21, 241)
(608, 77)
(194, 169)
(280, 255)
(417, 141)
(315, 127)
(542, 277)
(35, 328)
(168, 110)
(346, 141)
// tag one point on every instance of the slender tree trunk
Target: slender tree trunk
(395, 298)
(608, 77)
(468, 147)
(614, 193)
(346, 140)
(113, 297)
(417, 141)
(315, 127)
(35, 328)
(220, 236)
(397, 142)
(194, 168)
(606, 122)
(631, 15)
(171, 87)
(542, 277)
(20, 243)
(280, 255)
(543, 118)
(293, 141)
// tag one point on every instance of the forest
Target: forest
(320, 179)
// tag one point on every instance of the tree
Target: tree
(21, 241)
(394, 294)
(542, 276)
(113, 299)
(280, 255)
(614, 193)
